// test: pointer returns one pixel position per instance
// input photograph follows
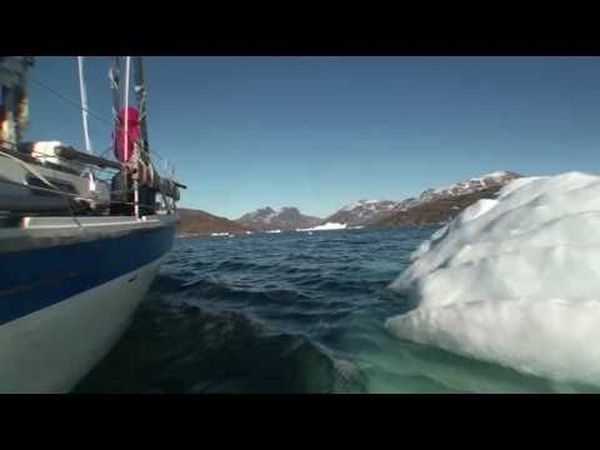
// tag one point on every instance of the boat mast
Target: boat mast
(115, 79)
(135, 156)
(84, 105)
(126, 108)
(140, 95)
(114, 75)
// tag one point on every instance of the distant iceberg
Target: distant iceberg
(328, 226)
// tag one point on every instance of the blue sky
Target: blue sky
(321, 132)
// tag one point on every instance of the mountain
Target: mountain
(364, 212)
(439, 205)
(370, 212)
(195, 221)
(286, 219)
(470, 186)
(431, 207)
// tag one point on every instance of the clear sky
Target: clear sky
(322, 132)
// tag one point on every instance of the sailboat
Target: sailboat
(82, 236)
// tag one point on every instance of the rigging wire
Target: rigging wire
(71, 102)
(77, 105)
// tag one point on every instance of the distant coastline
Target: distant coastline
(434, 206)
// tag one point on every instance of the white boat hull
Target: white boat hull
(50, 350)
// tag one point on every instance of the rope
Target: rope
(68, 194)
(44, 180)
(29, 168)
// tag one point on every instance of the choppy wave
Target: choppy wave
(288, 313)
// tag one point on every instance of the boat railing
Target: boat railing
(93, 171)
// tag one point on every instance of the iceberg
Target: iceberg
(514, 280)
(325, 227)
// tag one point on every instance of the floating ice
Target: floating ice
(515, 281)
(325, 227)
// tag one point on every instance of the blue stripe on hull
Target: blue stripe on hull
(35, 279)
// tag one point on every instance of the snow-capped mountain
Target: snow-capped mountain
(464, 187)
(368, 212)
(364, 212)
(286, 219)
(432, 206)
(439, 205)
